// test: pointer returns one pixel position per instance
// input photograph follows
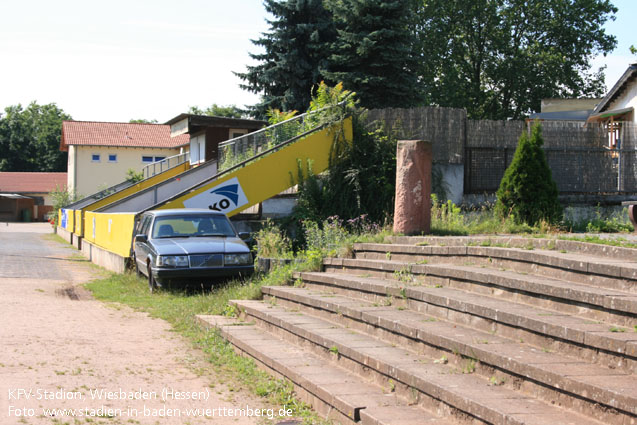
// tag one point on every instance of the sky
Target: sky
(143, 59)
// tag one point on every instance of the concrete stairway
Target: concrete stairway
(455, 331)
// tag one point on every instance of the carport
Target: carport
(14, 207)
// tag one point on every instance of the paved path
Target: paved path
(57, 341)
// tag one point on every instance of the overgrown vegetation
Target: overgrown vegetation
(61, 198)
(528, 193)
(329, 105)
(600, 222)
(272, 242)
(448, 219)
(133, 176)
(361, 176)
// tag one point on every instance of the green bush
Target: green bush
(360, 180)
(527, 191)
(272, 242)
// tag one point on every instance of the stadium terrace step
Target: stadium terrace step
(574, 246)
(572, 380)
(573, 335)
(332, 390)
(460, 330)
(431, 383)
(604, 270)
(568, 297)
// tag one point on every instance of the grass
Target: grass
(620, 242)
(180, 309)
(447, 219)
(57, 238)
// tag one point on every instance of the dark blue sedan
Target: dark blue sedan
(188, 245)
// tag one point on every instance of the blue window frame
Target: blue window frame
(112, 157)
(95, 157)
(147, 159)
(159, 158)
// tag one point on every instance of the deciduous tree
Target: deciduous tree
(30, 138)
(499, 58)
(230, 111)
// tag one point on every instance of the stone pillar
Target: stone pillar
(412, 209)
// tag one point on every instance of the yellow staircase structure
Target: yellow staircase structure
(264, 169)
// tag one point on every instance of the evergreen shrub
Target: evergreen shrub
(527, 191)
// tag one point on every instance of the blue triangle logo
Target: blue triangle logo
(230, 191)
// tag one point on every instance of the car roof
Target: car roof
(184, 211)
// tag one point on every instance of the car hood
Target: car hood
(199, 245)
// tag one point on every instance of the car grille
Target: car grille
(206, 260)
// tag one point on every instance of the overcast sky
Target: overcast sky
(153, 59)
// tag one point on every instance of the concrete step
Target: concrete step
(436, 385)
(566, 297)
(333, 391)
(593, 341)
(600, 271)
(590, 249)
(553, 377)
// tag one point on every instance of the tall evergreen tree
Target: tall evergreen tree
(295, 51)
(375, 53)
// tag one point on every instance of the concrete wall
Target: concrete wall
(104, 258)
(627, 99)
(452, 181)
(89, 176)
(65, 234)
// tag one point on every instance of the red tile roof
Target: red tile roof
(31, 182)
(130, 135)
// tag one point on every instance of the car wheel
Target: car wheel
(152, 285)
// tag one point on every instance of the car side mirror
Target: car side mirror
(141, 238)
(244, 236)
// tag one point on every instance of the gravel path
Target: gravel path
(59, 348)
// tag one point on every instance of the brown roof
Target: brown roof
(132, 135)
(31, 182)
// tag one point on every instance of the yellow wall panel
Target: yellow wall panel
(113, 232)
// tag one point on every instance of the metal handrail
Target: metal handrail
(248, 146)
(165, 164)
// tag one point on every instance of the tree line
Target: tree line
(495, 58)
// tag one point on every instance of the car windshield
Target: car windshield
(183, 226)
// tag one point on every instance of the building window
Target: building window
(95, 157)
(159, 158)
(112, 157)
(147, 159)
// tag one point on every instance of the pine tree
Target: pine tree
(295, 51)
(374, 54)
(527, 190)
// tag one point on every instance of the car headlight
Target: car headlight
(172, 261)
(238, 259)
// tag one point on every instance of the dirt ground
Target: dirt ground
(61, 349)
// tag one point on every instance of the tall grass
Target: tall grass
(448, 219)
